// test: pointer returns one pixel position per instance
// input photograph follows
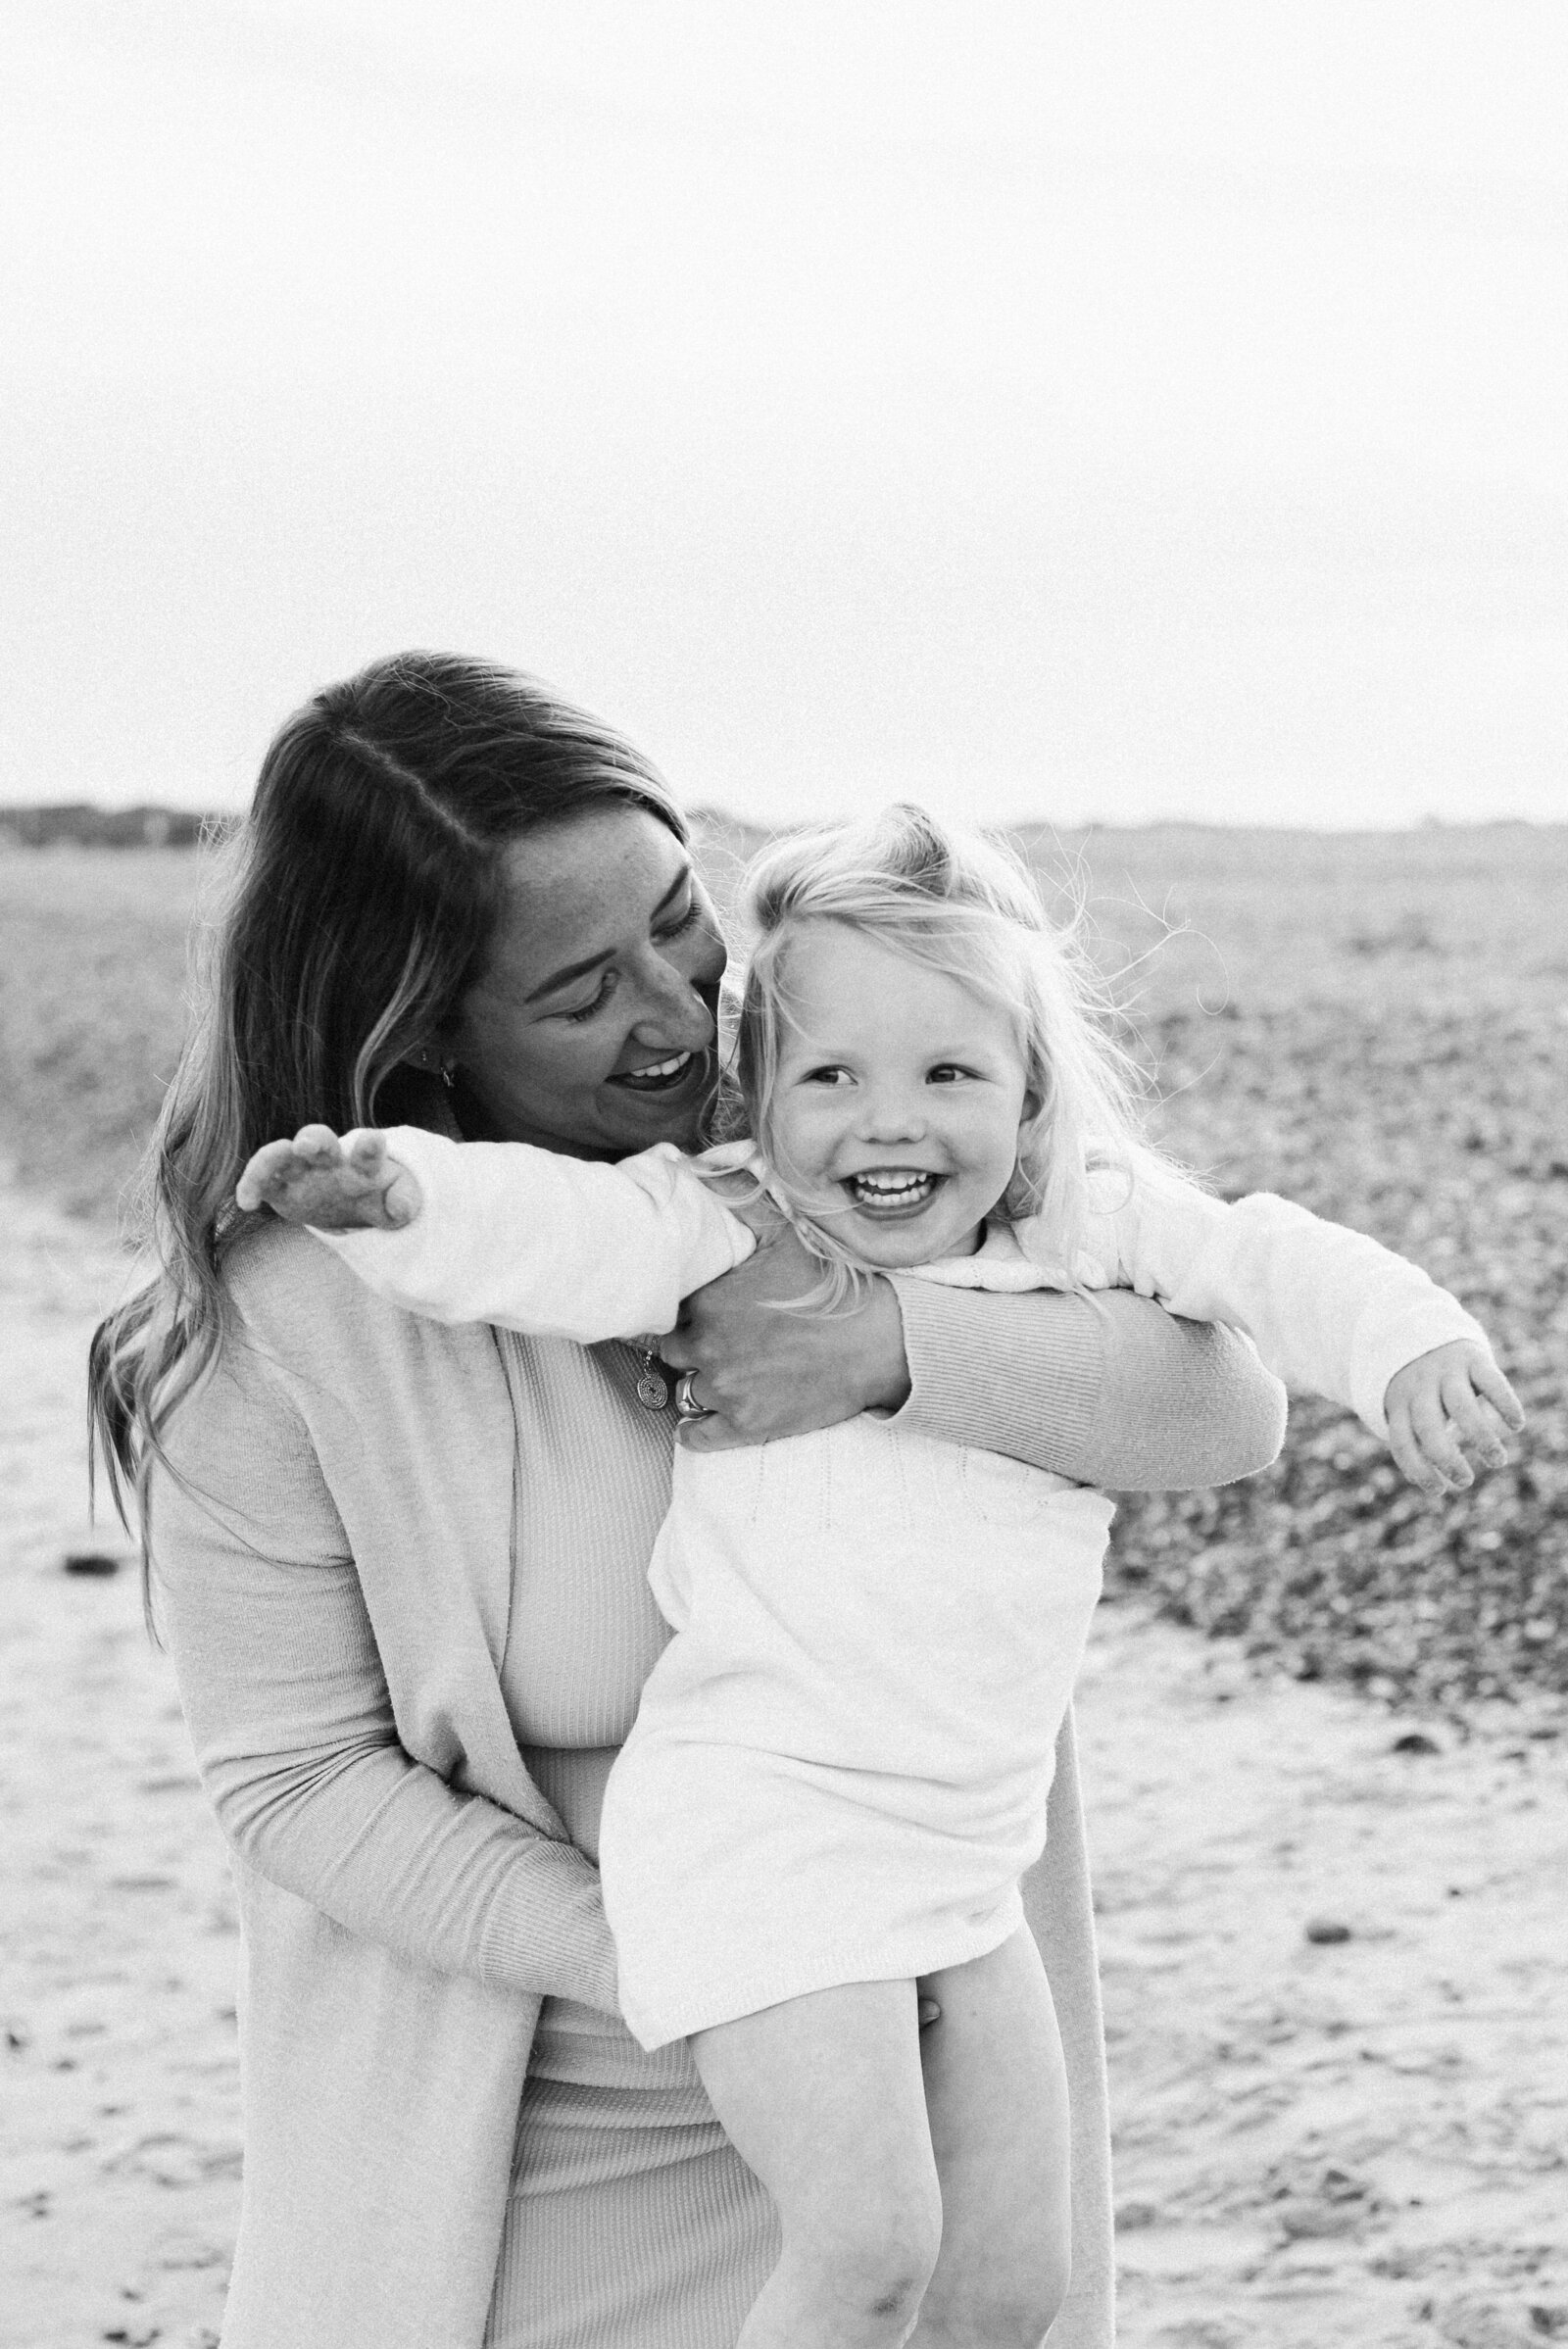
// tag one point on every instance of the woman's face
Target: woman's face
(592, 1027)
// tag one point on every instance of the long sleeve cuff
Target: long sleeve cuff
(553, 1937)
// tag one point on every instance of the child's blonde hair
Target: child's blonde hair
(968, 907)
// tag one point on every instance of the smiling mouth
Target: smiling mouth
(659, 1076)
(890, 1191)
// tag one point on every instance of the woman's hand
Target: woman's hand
(759, 1373)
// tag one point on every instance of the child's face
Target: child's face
(899, 1095)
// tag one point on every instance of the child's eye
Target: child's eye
(946, 1072)
(828, 1074)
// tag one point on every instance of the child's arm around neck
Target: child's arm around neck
(500, 1232)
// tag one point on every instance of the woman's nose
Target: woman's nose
(673, 1014)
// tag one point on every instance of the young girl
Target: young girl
(840, 1764)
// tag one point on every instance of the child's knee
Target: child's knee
(1020, 2307)
(879, 2282)
(875, 2257)
(1006, 2296)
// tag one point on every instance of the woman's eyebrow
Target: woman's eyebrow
(578, 971)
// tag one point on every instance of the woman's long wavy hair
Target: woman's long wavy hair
(963, 906)
(366, 880)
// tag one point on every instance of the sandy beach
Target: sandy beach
(1333, 1970)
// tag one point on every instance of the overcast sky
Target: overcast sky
(1049, 411)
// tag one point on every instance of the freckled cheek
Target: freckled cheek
(577, 1062)
(541, 1065)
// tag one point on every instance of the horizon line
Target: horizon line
(715, 812)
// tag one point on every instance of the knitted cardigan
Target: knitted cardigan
(333, 1571)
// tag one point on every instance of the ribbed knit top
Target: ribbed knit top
(583, 1636)
(584, 1631)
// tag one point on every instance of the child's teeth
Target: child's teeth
(892, 1186)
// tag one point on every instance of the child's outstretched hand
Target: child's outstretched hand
(353, 1185)
(1443, 1404)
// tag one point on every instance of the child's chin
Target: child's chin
(901, 1245)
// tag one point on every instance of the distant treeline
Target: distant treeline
(78, 824)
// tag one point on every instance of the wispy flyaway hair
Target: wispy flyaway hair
(968, 907)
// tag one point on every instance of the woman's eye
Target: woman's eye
(587, 1010)
(688, 920)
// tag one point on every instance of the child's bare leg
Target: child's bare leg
(996, 2093)
(823, 2097)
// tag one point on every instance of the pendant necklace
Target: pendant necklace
(653, 1391)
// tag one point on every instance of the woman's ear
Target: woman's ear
(432, 1059)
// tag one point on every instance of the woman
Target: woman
(401, 1567)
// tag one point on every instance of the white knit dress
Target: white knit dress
(840, 1764)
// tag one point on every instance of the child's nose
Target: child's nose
(893, 1115)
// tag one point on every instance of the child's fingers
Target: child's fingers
(1408, 1455)
(1448, 1402)
(402, 1199)
(352, 1185)
(266, 1172)
(1429, 1424)
(364, 1150)
(1486, 1376)
(1475, 1423)
(318, 1146)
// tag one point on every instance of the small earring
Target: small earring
(447, 1074)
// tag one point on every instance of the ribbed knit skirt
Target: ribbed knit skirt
(633, 2223)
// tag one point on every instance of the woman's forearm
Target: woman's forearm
(288, 1705)
(299, 1756)
(1103, 1388)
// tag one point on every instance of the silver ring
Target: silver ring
(686, 1408)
